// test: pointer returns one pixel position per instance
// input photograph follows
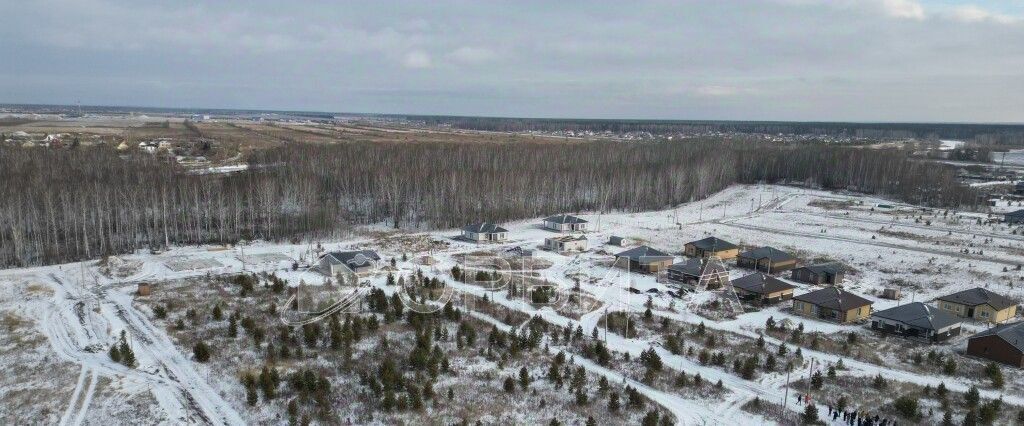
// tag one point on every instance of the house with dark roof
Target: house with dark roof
(356, 262)
(766, 259)
(484, 231)
(644, 259)
(980, 304)
(832, 304)
(831, 273)
(711, 246)
(762, 288)
(1003, 343)
(917, 321)
(692, 271)
(1019, 189)
(565, 223)
(1014, 218)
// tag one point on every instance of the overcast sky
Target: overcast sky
(858, 60)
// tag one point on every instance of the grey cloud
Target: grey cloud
(887, 60)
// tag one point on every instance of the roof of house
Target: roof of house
(918, 314)
(771, 253)
(1012, 333)
(834, 298)
(353, 258)
(696, 267)
(713, 244)
(484, 228)
(830, 267)
(615, 240)
(1018, 213)
(979, 296)
(645, 254)
(567, 238)
(564, 218)
(761, 284)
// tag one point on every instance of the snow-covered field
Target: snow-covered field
(70, 314)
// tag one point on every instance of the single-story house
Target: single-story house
(822, 273)
(616, 241)
(566, 243)
(1003, 343)
(980, 304)
(484, 232)
(693, 270)
(832, 304)
(917, 320)
(565, 222)
(357, 262)
(1019, 189)
(1014, 217)
(711, 246)
(763, 288)
(644, 259)
(766, 259)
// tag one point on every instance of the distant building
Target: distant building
(616, 241)
(762, 288)
(566, 243)
(144, 289)
(711, 246)
(832, 304)
(484, 232)
(980, 304)
(831, 273)
(917, 321)
(357, 262)
(1019, 189)
(1003, 343)
(565, 223)
(766, 259)
(692, 270)
(1014, 218)
(644, 259)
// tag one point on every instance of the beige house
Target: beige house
(711, 246)
(832, 304)
(566, 243)
(980, 304)
(644, 259)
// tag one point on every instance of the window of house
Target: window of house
(984, 314)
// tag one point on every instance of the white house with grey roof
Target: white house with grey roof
(565, 223)
(917, 321)
(484, 231)
(356, 262)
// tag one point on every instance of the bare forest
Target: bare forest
(64, 205)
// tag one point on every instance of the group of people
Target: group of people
(855, 418)
(852, 417)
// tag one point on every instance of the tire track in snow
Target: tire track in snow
(74, 396)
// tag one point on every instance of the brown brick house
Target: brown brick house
(822, 273)
(1003, 343)
(766, 259)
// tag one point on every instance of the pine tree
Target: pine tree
(217, 314)
(524, 378)
(510, 385)
(201, 352)
(810, 415)
(613, 402)
(972, 397)
(115, 353)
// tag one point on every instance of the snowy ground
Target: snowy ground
(80, 311)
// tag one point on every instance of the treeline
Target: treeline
(987, 134)
(63, 205)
